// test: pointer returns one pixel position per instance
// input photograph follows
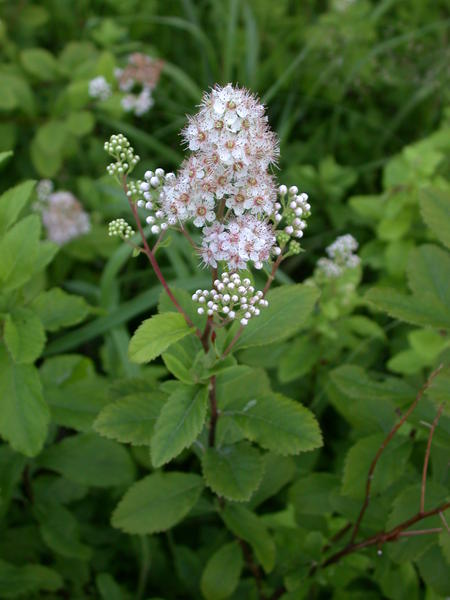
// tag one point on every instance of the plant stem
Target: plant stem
(383, 447)
(427, 458)
(155, 265)
(384, 537)
(144, 567)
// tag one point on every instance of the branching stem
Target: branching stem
(381, 450)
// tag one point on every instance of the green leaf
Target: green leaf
(429, 272)
(131, 419)
(179, 424)
(222, 572)
(80, 123)
(155, 335)
(288, 311)
(278, 472)
(157, 502)
(60, 531)
(416, 310)
(435, 209)
(89, 460)
(249, 527)
(57, 309)
(24, 415)
(179, 358)
(433, 568)
(27, 580)
(314, 493)
(390, 467)
(39, 63)
(18, 249)
(12, 203)
(233, 472)
(298, 359)
(355, 382)
(439, 390)
(277, 423)
(24, 335)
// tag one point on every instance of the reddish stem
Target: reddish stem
(154, 263)
(427, 458)
(214, 412)
(383, 447)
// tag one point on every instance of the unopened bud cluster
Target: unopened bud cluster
(231, 298)
(120, 228)
(290, 216)
(149, 191)
(120, 149)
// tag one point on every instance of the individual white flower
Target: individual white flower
(99, 88)
(43, 189)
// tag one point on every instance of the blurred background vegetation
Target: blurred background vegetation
(358, 92)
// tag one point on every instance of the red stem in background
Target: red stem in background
(383, 447)
(427, 458)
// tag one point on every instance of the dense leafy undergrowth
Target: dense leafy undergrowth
(308, 456)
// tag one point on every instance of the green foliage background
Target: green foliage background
(358, 94)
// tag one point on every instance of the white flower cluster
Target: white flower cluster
(99, 88)
(119, 147)
(231, 299)
(119, 227)
(62, 214)
(141, 72)
(225, 182)
(238, 241)
(340, 256)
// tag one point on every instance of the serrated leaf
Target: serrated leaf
(56, 308)
(389, 468)
(155, 335)
(157, 502)
(90, 460)
(24, 415)
(24, 335)
(222, 572)
(416, 310)
(18, 249)
(249, 527)
(233, 472)
(29, 579)
(179, 424)
(277, 423)
(435, 209)
(12, 202)
(288, 311)
(131, 419)
(355, 382)
(278, 472)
